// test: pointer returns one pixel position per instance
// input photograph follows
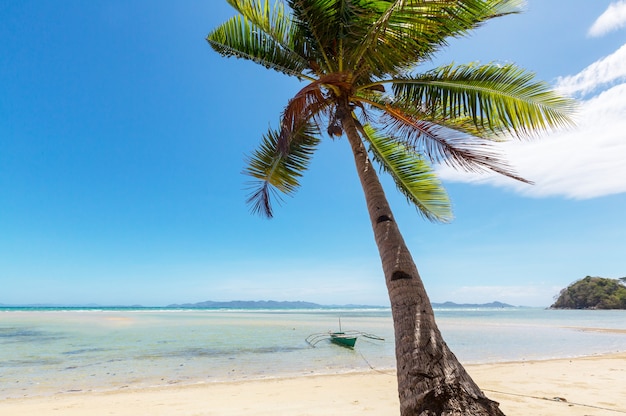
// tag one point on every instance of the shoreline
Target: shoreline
(591, 385)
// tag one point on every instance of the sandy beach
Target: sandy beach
(589, 386)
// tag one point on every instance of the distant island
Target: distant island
(263, 304)
(258, 304)
(593, 293)
(271, 304)
(473, 305)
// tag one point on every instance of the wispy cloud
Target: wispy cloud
(606, 71)
(583, 162)
(613, 18)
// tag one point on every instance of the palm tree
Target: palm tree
(359, 60)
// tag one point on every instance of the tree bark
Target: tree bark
(431, 381)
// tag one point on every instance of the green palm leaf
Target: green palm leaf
(276, 172)
(447, 143)
(259, 34)
(412, 174)
(372, 96)
(394, 35)
(325, 25)
(496, 98)
(457, 142)
(276, 22)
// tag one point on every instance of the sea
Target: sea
(47, 351)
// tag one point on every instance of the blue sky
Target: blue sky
(123, 137)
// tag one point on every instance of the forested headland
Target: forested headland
(593, 293)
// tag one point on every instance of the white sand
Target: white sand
(592, 386)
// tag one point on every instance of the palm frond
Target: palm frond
(445, 145)
(495, 97)
(391, 36)
(275, 172)
(276, 22)
(309, 104)
(412, 175)
(260, 34)
(463, 125)
(324, 25)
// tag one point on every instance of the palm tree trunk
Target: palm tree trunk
(431, 381)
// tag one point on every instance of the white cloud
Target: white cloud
(613, 18)
(607, 70)
(587, 161)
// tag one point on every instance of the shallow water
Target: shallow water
(50, 351)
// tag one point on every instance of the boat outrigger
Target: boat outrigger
(343, 338)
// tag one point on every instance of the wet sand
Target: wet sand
(589, 386)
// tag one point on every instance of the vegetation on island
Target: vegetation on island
(593, 293)
(359, 60)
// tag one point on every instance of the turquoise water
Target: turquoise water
(49, 351)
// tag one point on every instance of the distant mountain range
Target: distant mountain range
(473, 305)
(263, 304)
(266, 304)
(271, 304)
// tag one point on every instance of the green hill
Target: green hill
(593, 293)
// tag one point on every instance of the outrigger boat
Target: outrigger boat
(343, 338)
